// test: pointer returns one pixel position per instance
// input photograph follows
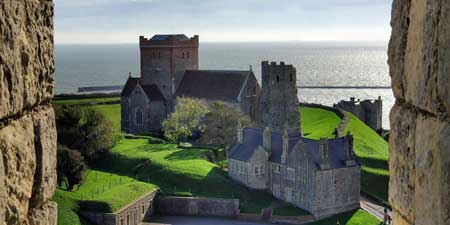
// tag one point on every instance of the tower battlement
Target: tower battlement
(279, 101)
(169, 40)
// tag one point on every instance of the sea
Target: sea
(359, 64)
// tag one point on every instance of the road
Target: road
(373, 208)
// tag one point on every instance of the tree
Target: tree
(221, 124)
(188, 116)
(97, 134)
(70, 166)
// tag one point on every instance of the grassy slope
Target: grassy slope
(373, 152)
(317, 123)
(358, 217)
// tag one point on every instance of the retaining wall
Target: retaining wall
(190, 206)
(132, 214)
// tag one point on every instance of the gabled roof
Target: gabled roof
(151, 90)
(252, 138)
(165, 37)
(129, 86)
(219, 85)
(153, 93)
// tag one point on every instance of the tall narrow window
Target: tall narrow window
(182, 56)
(159, 55)
(139, 117)
(278, 79)
(187, 55)
(291, 77)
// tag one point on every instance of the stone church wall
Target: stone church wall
(419, 61)
(27, 120)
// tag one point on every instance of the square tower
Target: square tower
(279, 105)
(164, 58)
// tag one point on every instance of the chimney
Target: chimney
(267, 139)
(324, 154)
(285, 147)
(350, 155)
(239, 132)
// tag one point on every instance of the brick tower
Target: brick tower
(164, 58)
(279, 106)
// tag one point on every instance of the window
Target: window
(182, 55)
(159, 55)
(254, 91)
(276, 168)
(135, 217)
(121, 221)
(187, 55)
(259, 170)
(290, 174)
(291, 76)
(278, 79)
(128, 219)
(143, 209)
(276, 189)
(139, 117)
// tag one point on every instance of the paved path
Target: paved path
(373, 208)
(185, 220)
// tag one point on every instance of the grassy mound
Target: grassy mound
(373, 153)
(317, 123)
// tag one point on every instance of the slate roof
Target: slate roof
(165, 37)
(152, 91)
(219, 85)
(252, 138)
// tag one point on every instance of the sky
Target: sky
(122, 21)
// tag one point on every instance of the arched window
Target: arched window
(138, 117)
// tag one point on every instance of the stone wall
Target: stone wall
(419, 61)
(27, 123)
(188, 206)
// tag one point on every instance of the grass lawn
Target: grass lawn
(317, 123)
(101, 191)
(92, 101)
(111, 112)
(373, 153)
(358, 217)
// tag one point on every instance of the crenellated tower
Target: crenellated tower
(165, 58)
(279, 105)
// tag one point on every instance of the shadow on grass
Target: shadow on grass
(187, 154)
(215, 184)
(374, 163)
(373, 183)
(343, 218)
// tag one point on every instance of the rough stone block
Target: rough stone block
(26, 55)
(46, 215)
(402, 160)
(18, 166)
(45, 148)
(419, 53)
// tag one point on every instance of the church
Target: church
(169, 70)
(320, 176)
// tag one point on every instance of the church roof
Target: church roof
(252, 138)
(129, 86)
(165, 37)
(219, 85)
(153, 93)
(151, 90)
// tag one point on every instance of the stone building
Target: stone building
(368, 111)
(322, 177)
(169, 69)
